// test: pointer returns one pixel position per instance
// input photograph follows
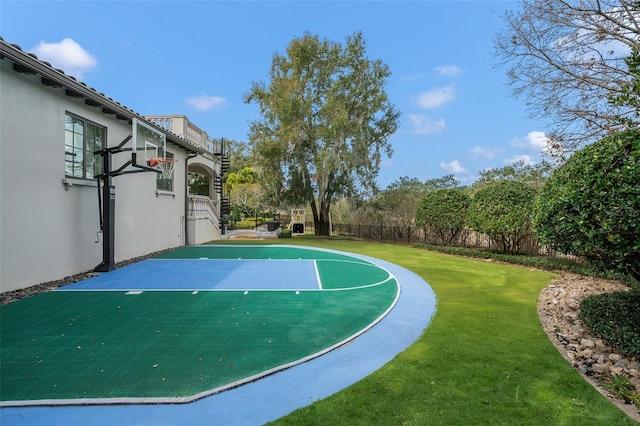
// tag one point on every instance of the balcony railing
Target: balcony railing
(200, 206)
(181, 126)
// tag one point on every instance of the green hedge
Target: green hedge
(548, 263)
(616, 318)
(250, 222)
(246, 224)
(502, 210)
(590, 205)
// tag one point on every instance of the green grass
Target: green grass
(483, 360)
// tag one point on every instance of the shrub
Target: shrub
(590, 206)
(250, 222)
(502, 210)
(285, 233)
(616, 318)
(246, 224)
(444, 212)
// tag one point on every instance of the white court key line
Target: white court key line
(315, 265)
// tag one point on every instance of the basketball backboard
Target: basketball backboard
(147, 142)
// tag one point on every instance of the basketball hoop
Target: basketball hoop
(164, 164)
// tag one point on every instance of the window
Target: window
(81, 139)
(166, 183)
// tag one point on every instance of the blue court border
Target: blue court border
(274, 396)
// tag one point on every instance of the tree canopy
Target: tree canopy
(534, 175)
(238, 153)
(325, 121)
(246, 175)
(566, 58)
(399, 201)
(446, 181)
(245, 192)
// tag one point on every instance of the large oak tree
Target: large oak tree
(325, 123)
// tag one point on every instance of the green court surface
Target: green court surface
(128, 346)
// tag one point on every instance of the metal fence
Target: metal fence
(412, 235)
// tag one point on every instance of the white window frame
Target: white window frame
(90, 164)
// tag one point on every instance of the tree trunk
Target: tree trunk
(321, 222)
(322, 227)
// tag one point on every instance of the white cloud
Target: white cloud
(423, 125)
(453, 167)
(205, 102)
(411, 77)
(535, 141)
(482, 152)
(67, 55)
(450, 70)
(436, 97)
(528, 161)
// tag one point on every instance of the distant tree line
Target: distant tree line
(325, 121)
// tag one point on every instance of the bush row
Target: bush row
(249, 223)
(547, 263)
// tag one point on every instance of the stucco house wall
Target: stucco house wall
(49, 223)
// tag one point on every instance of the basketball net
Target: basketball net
(164, 164)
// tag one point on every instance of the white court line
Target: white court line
(315, 265)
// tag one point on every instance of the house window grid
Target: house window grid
(82, 138)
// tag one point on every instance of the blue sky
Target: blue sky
(198, 58)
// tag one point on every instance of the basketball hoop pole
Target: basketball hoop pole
(108, 213)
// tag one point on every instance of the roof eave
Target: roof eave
(56, 77)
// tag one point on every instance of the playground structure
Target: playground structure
(297, 222)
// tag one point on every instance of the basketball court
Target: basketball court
(190, 324)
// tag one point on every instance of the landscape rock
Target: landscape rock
(614, 357)
(599, 368)
(559, 313)
(587, 343)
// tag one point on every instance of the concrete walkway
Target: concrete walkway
(279, 394)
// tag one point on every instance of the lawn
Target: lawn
(483, 360)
